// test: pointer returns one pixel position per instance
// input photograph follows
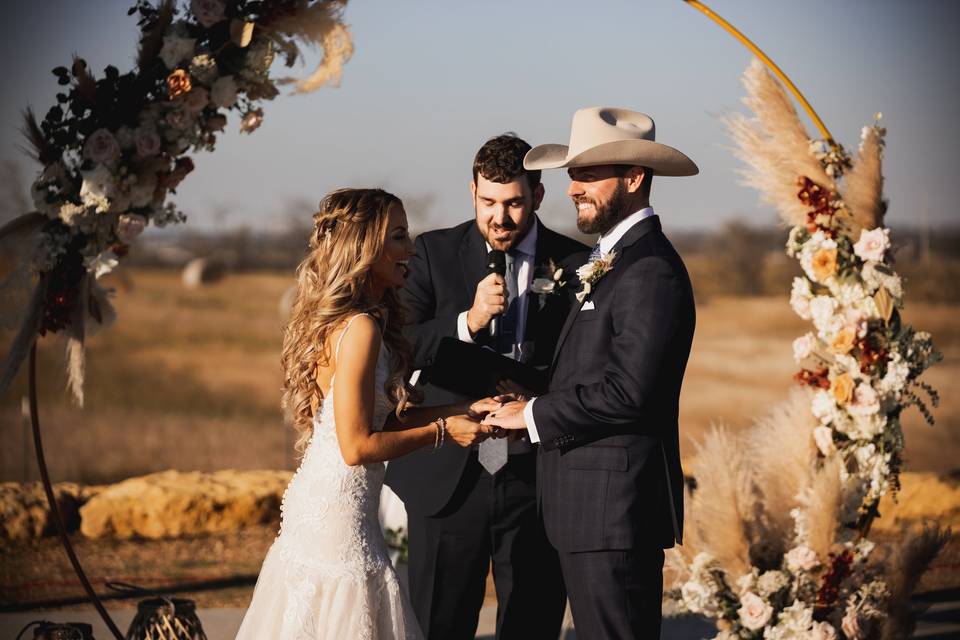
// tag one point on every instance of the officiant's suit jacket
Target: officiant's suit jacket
(442, 283)
(610, 475)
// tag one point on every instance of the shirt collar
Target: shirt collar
(610, 239)
(528, 245)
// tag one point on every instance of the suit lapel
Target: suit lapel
(473, 258)
(636, 232)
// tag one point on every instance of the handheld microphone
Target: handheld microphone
(496, 263)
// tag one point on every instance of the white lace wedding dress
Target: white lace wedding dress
(328, 573)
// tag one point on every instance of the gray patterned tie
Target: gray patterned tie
(494, 452)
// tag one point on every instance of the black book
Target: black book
(474, 371)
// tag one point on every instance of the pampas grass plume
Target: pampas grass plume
(863, 186)
(904, 568)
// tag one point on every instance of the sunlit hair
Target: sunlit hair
(332, 285)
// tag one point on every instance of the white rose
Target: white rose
(100, 146)
(102, 264)
(754, 612)
(822, 631)
(800, 295)
(97, 188)
(802, 558)
(823, 437)
(803, 347)
(207, 12)
(865, 401)
(129, 226)
(823, 406)
(872, 244)
(147, 141)
(223, 93)
(175, 50)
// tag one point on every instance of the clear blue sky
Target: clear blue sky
(431, 80)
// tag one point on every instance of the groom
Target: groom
(611, 486)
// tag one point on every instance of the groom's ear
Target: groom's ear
(538, 195)
(634, 178)
(473, 190)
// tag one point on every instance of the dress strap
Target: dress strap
(336, 355)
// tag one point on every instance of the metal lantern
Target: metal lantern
(166, 619)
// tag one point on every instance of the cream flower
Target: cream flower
(823, 438)
(97, 188)
(102, 264)
(129, 226)
(175, 50)
(101, 147)
(872, 244)
(822, 631)
(754, 611)
(803, 347)
(223, 93)
(800, 296)
(865, 401)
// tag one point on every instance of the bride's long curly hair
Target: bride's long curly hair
(333, 283)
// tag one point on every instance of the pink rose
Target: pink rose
(754, 611)
(801, 558)
(148, 142)
(872, 244)
(101, 147)
(207, 12)
(865, 401)
(129, 226)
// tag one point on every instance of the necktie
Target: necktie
(494, 452)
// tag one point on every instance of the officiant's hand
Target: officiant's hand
(467, 431)
(514, 390)
(509, 416)
(490, 300)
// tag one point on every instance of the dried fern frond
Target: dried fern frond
(904, 568)
(723, 505)
(863, 185)
(780, 446)
(318, 25)
(774, 145)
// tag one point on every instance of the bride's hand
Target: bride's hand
(467, 431)
(481, 408)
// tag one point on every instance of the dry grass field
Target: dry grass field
(190, 379)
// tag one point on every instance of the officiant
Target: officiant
(468, 508)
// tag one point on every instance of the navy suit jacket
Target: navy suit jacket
(609, 464)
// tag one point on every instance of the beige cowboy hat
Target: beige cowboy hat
(608, 135)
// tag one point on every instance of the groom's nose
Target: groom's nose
(575, 189)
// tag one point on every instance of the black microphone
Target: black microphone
(496, 263)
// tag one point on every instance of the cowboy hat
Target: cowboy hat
(608, 135)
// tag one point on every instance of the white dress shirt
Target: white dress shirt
(607, 242)
(524, 255)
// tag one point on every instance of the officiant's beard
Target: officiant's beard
(608, 214)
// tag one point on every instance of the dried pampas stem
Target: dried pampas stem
(25, 339)
(904, 568)
(724, 502)
(76, 352)
(774, 146)
(863, 186)
(320, 25)
(781, 448)
(820, 505)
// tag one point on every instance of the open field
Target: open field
(190, 379)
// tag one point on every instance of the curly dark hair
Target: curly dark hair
(500, 159)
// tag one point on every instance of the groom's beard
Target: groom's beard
(608, 214)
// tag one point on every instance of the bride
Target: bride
(328, 574)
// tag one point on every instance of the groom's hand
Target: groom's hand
(489, 301)
(509, 416)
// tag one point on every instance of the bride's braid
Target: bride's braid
(332, 285)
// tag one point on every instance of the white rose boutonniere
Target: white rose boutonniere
(591, 273)
(547, 280)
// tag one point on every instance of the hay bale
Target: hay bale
(25, 514)
(923, 497)
(203, 271)
(174, 503)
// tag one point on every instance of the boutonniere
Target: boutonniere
(591, 273)
(547, 281)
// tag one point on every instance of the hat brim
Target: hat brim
(663, 159)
